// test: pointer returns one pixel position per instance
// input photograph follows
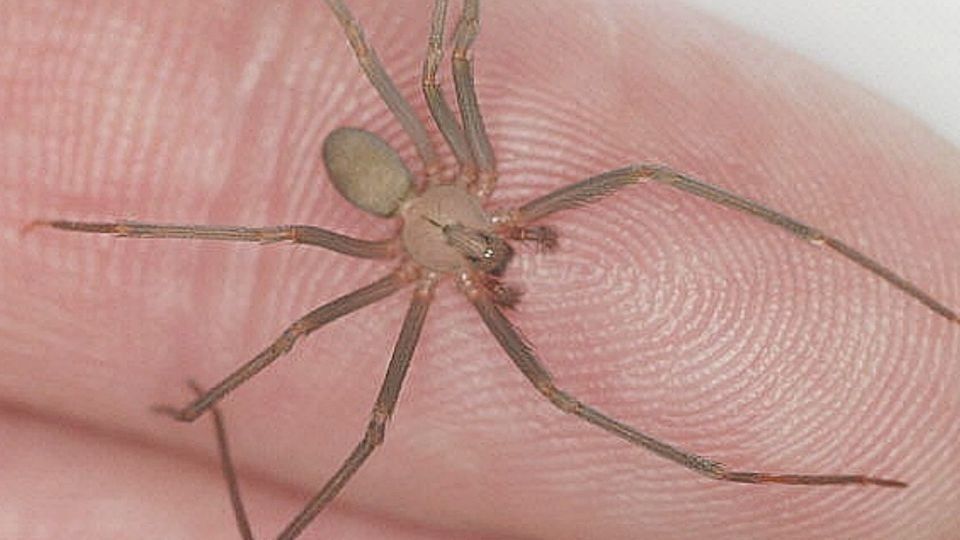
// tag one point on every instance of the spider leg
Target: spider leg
(382, 410)
(443, 116)
(526, 360)
(226, 467)
(378, 77)
(597, 187)
(466, 31)
(571, 196)
(543, 237)
(320, 316)
(298, 234)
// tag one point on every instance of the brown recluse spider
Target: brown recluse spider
(447, 232)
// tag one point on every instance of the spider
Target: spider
(449, 233)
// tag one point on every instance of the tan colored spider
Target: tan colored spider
(449, 232)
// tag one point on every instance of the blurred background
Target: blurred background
(907, 51)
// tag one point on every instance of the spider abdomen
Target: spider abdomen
(366, 171)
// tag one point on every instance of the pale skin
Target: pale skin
(832, 355)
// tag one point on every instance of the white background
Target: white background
(907, 51)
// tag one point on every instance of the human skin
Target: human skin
(706, 328)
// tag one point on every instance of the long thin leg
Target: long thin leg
(597, 187)
(227, 469)
(523, 356)
(442, 114)
(378, 77)
(298, 234)
(308, 323)
(382, 411)
(466, 31)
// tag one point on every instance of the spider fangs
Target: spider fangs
(447, 232)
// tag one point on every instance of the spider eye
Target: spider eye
(494, 256)
(366, 171)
